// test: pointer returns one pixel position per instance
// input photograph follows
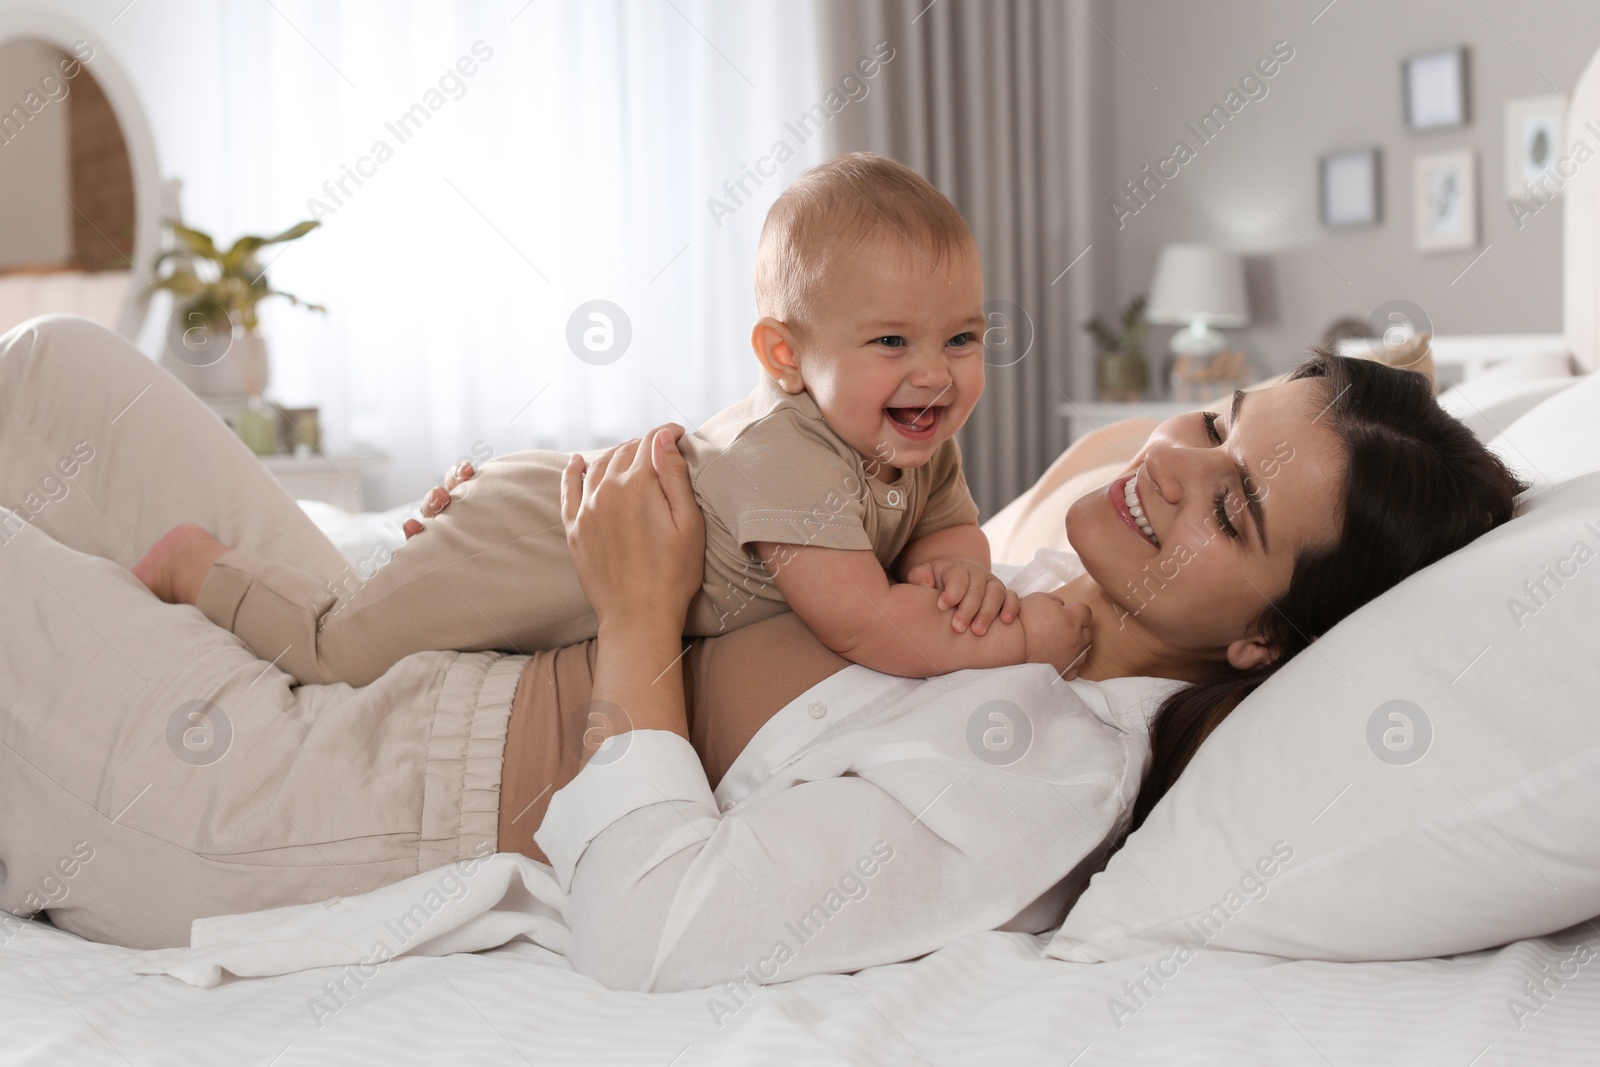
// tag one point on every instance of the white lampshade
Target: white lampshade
(1198, 284)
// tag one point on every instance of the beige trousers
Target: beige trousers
(153, 770)
(492, 572)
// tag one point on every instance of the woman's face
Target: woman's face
(1194, 588)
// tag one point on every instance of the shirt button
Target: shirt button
(725, 805)
(894, 498)
(817, 709)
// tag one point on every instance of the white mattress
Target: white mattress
(990, 998)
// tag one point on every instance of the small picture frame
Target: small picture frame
(1348, 188)
(298, 433)
(1434, 85)
(1535, 143)
(1446, 201)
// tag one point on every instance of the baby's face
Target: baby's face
(895, 358)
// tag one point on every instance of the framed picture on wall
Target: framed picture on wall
(1348, 188)
(1435, 89)
(1446, 201)
(1535, 141)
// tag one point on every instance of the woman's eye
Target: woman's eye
(1221, 505)
(891, 341)
(1221, 509)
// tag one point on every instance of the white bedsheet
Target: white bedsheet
(989, 998)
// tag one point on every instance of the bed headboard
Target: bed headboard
(1581, 260)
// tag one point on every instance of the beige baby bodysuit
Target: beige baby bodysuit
(492, 571)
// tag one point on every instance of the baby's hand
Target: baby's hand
(977, 596)
(1056, 632)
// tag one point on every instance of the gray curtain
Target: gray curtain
(990, 100)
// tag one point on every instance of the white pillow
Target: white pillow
(1312, 824)
(1493, 400)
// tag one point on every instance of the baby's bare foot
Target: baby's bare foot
(175, 568)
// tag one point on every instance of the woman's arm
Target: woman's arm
(864, 866)
(638, 541)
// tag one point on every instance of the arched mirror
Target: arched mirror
(80, 191)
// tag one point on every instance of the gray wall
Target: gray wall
(35, 226)
(1341, 90)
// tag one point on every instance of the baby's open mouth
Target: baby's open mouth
(914, 422)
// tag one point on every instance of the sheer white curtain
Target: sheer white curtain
(555, 153)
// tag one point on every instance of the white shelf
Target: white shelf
(334, 478)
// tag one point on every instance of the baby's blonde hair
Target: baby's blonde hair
(833, 208)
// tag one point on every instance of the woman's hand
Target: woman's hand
(635, 530)
(438, 498)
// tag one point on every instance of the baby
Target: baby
(834, 490)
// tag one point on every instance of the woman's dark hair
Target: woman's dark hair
(1417, 486)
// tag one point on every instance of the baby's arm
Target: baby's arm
(956, 561)
(847, 600)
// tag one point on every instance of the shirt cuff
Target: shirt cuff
(655, 767)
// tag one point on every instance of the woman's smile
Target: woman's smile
(1124, 498)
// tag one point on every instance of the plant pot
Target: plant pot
(223, 367)
(1123, 377)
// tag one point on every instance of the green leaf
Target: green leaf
(293, 233)
(234, 259)
(240, 283)
(297, 302)
(197, 241)
(183, 282)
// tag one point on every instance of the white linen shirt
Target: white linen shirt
(873, 819)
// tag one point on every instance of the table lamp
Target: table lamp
(1198, 287)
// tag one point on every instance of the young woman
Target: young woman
(762, 810)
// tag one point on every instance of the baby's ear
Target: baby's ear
(774, 346)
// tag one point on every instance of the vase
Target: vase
(1123, 377)
(257, 426)
(225, 366)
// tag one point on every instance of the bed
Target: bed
(988, 998)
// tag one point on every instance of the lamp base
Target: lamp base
(1196, 339)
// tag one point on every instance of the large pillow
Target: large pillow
(1423, 780)
(1493, 400)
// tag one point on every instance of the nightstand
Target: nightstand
(334, 478)
(1083, 416)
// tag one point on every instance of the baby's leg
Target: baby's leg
(104, 451)
(490, 572)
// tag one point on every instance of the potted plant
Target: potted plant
(216, 293)
(1122, 371)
